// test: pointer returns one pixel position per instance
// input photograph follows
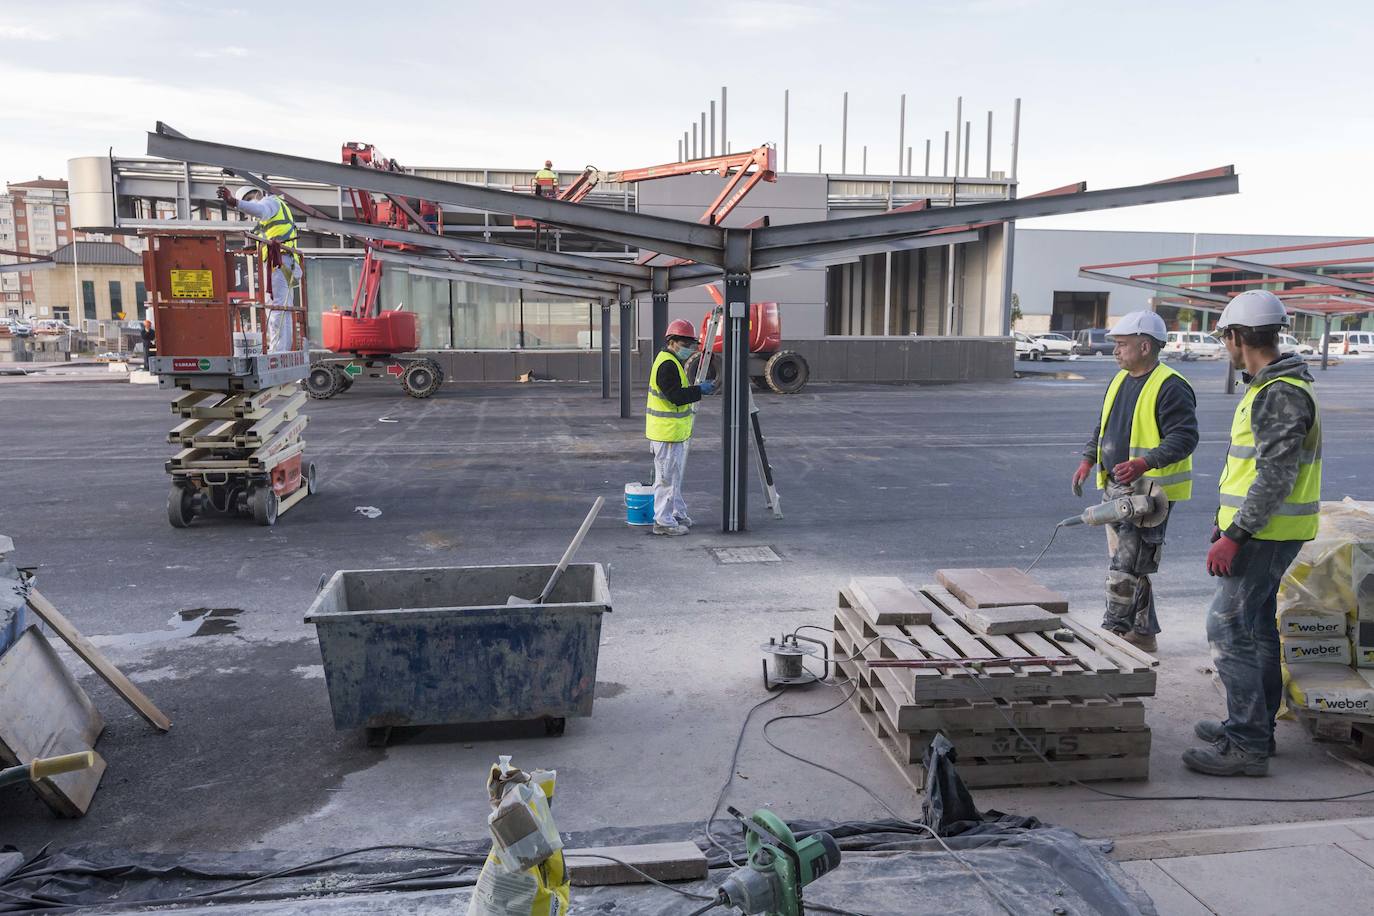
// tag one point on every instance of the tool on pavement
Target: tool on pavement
(43, 767)
(567, 558)
(789, 656)
(1146, 507)
(779, 867)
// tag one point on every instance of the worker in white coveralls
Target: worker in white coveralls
(277, 224)
(668, 425)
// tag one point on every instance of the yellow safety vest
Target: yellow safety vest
(1296, 519)
(665, 421)
(280, 228)
(545, 173)
(1176, 478)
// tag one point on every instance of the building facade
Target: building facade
(90, 282)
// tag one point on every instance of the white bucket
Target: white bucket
(247, 343)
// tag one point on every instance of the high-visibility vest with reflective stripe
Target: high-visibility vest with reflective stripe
(665, 421)
(544, 174)
(1296, 517)
(1176, 478)
(280, 228)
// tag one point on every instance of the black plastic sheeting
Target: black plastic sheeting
(889, 867)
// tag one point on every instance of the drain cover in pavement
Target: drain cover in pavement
(764, 554)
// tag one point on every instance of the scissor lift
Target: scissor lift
(241, 408)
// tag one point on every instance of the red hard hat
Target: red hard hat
(681, 327)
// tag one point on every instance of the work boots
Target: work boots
(1212, 731)
(1225, 759)
(670, 530)
(1146, 642)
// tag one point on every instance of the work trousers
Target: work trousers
(1244, 635)
(1134, 553)
(279, 323)
(670, 463)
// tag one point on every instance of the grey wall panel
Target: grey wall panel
(861, 359)
(467, 366)
(498, 366)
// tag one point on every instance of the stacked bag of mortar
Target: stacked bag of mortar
(1326, 614)
(524, 873)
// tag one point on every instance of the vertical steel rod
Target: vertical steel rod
(945, 171)
(735, 374)
(908, 160)
(968, 143)
(844, 137)
(713, 127)
(958, 131)
(695, 154)
(1009, 230)
(627, 326)
(786, 113)
(901, 134)
(819, 159)
(927, 171)
(724, 142)
(987, 171)
(605, 349)
(865, 160)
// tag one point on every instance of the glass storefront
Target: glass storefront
(456, 314)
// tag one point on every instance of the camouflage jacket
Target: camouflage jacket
(1280, 418)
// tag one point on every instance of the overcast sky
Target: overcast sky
(1113, 93)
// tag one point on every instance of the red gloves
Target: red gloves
(1221, 557)
(1128, 471)
(227, 196)
(1085, 467)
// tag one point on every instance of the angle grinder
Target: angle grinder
(779, 866)
(1143, 505)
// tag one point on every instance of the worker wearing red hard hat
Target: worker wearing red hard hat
(668, 418)
(546, 179)
(1147, 428)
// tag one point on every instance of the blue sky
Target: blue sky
(1113, 92)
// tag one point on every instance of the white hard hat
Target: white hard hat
(1142, 322)
(1254, 308)
(241, 193)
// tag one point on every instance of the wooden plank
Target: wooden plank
(888, 600)
(1018, 748)
(92, 656)
(1021, 686)
(1052, 713)
(592, 867)
(1098, 635)
(1000, 586)
(43, 713)
(1015, 618)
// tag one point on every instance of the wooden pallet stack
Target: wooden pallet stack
(1080, 707)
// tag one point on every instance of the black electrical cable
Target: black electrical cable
(730, 778)
(1053, 534)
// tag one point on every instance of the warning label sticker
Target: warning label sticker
(193, 284)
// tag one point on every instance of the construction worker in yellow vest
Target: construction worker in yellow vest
(276, 223)
(1270, 503)
(1147, 430)
(668, 425)
(542, 179)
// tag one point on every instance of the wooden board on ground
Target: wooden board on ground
(999, 586)
(681, 861)
(92, 656)
(43, 713)
(888, 600)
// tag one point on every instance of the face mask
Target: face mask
(685, 353)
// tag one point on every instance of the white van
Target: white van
(1352, 343)
(1290, 344)
(1193, 345)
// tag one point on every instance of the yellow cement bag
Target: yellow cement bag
(1334, 572)
(524, 874)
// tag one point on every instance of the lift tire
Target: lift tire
(420, 380)
(322, 382)
(263, 503)
(311, 482)
(786, 372)
(554, 726)
(181, 506)
(345, 381)
(712, 371)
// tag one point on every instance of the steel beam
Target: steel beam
(734, 376)
(897, 224)
(591, 268)
(454, 271)
(689, 240)
(1156, 287)
(498, 271)
(1304, 276)
(840, 252)
(660, 293)
(627, 325)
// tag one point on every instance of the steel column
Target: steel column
(724, 143)
(1326, 343)
(735, 378)
(901, 134)
(605, 349)
(844, 137)
(626, 342)
(660, 322)
(786, 113)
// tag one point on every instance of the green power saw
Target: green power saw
(779, 866)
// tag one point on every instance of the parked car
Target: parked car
(1352, 343)
(52, 326)
(14, 327)
(1290, 344)
(1027, 348)
(1092, 341)
(1193, 345)
(1056, 344)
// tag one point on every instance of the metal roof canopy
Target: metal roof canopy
(739, 252)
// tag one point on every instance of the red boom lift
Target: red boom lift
(784, 371)
(367, 338)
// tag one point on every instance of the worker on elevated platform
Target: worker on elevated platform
(1147, 428)
(668, 425)
(277, 225)
(546, 180)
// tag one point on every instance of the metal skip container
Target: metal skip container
(440, 645)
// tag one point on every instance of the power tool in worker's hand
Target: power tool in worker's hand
(1143, 504)
(779, 867)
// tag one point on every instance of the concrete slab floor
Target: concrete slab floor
(876, 481)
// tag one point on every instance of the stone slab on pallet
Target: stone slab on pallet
(1000, 586)
(888, 600)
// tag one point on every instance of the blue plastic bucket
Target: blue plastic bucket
(639, 504)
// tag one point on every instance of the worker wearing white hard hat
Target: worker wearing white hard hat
(1270, 501)
(277, 224)
(1146, 430)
